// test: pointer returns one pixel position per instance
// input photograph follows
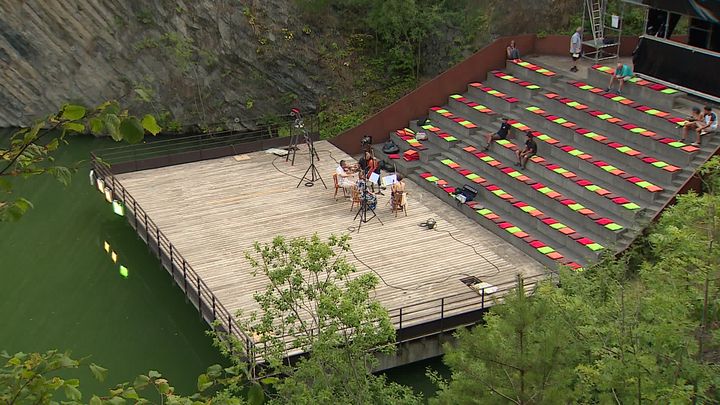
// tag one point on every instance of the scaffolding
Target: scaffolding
(606, 30)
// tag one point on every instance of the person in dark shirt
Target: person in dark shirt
(502, 133)
(529, 151)
(364, 162)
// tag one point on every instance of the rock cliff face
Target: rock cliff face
(207, 62)
(192, 61)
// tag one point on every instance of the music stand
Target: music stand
(364, 208)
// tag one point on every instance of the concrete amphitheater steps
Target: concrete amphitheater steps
(604, 166)
(533, 245)
(507, 205)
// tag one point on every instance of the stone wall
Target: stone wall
(189, 61)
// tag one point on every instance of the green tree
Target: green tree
(403, 26)
(523, 354)
(29, 151)
(34, 378)
(641, 328)
(315, 302)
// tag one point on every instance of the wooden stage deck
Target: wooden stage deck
(212, 211)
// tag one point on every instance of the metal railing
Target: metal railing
(195, 289)
(177, 144)
(450, 312)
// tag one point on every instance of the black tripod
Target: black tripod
(312, 169)
(365, 207)
(299, 126)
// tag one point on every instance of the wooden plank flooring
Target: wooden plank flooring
(213, 211)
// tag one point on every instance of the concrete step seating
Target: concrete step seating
(654, 168)
(597, 167)
(500, 226)
(538, 74)
(546, 193)
(586, 192)
(585, 161)
(436, 136)
(513, 206)
(674, 149)
(479, 91)
(452, 122)
(577, 215)
(480, 113)
(576, 158)
(553, 173)
(653, 116)
(637, 87)
(408, 136)
(523, 89)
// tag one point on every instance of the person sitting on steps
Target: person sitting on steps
(621, 74)
(692, 123)
(512, 52)
(530, 150)
(502, 133)
(709, 124)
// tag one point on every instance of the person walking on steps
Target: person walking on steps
(576, 48)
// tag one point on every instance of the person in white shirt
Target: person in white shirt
(576, 48)
(344, 178)
(710, 124)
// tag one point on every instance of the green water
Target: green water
(60, 290)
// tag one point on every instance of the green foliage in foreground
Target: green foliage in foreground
(29, 151)
(616, 333)
(313, 294)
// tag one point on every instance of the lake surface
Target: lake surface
(61, 289)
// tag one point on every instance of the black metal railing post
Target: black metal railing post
(172, 264)
(185, 277)
(442, 313)
(400, 318)
(199, 296)
(147, 232)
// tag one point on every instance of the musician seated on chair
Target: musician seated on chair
(362, 183)
(398, 186)
(344, 177)
(365, 161)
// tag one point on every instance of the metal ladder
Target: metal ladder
(596, 9)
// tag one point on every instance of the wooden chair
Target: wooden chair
(355, 197)
(337, 186)
(399, 203)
